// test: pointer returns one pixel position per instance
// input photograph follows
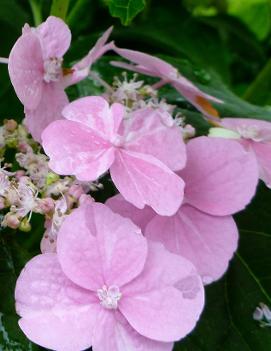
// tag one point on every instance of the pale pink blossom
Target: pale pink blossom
(255, 136)
(141, 152)
(107, 287)
(221, 179)
(35, 69)
(156, 67)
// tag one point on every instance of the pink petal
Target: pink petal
(97, 247)
(220, 176)
(81, 69)
(26, 70)
(97, 51)
(48, 110)
(95, 113)
(263, 155)
(140, 217)
(56, 314)
(197, 97)
(55, 37)
(157, 303)
(133, 68)
(155, 65)
(112, 332)
(76, 150)
(144, 180)
(209, 242)
(150, 134)
(262, 127)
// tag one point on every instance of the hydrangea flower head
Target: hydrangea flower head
(35, 69)
(141, 152)
(221, 179)
(107, 287)
(156, 67)
(255, 136)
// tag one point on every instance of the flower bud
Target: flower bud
(51, 178)
(25, 226)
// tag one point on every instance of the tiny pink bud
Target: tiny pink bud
(76, 191)
(23, 147)
(11, 220)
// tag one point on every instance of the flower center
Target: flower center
(52, 69)
(109, 297)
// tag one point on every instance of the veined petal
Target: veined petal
(220, 175)
(55, 37)
(113, 332)
(209, 242)
(26, 69)
(97, 247)
(56, 313)
(119, 205)
(165, 301)
(153, 64)
(148, 133)
(48, 110)
(75, 149)
(95, 113)
(144, 180)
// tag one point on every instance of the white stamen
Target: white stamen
(109, 297)
(52, 69)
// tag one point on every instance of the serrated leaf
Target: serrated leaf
(125, 10)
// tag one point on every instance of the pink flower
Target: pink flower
(255, 136)
(140, 151)
(35, 69)
(155, 67)
(108, 288)
(221, 178)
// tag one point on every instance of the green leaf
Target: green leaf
(11, 337)
(125, 10)
(256, 14)
(60, 8)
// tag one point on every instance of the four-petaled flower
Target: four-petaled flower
(141, 152)
(107, 287)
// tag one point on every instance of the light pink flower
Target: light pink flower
(255, 136)
(141, 152)
(108, 288)
(155, 67)
(221, 178)
(35, 69)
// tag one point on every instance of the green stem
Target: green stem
(258, 91)
(36, 11)
(59, 8)
(75, 12)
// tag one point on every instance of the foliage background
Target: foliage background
(224, 47)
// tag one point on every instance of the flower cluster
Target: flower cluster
(31, 187)
(128, 274)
